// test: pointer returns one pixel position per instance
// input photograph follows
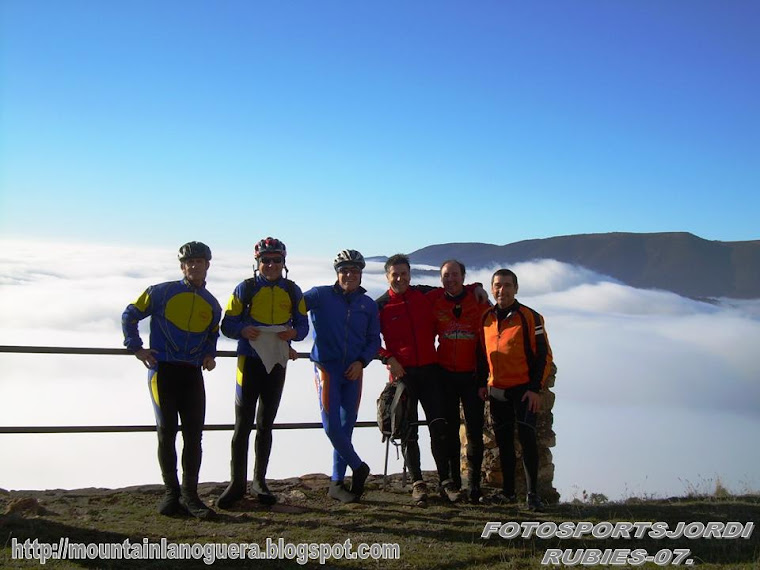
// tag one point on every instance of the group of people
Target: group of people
(497, 353)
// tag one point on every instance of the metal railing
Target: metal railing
(130, 428)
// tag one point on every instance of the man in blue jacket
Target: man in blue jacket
(184, 328)
(346, 339)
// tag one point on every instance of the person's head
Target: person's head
(504, 287)
(194, 260)
(270, 258)
(452, 276)
(349, 265)
(398, 273)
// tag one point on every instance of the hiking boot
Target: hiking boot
(534, 502)
(419, 491)
(169, 505)
(262, 492)
(475, 496)
(501, 498)
(338, 492)
(358, 479)
(449, 491)
(231, 495)
(195, 507)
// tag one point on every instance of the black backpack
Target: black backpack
(394, 412)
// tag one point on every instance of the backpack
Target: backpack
(252, 287)
(393, 412)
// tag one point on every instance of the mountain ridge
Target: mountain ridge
(680, 262)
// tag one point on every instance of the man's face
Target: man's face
(504, 290)
(349, 278)
(270, 266)
(398, 278)
(452, 279)
(195, 269)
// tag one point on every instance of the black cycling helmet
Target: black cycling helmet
(194, 249)
(269, 245)
(349, 257)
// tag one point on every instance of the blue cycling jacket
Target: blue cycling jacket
(346, 326)
(184, 324)
(269, 305)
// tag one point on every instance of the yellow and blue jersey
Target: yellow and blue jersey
(259, 302)
(184, 324)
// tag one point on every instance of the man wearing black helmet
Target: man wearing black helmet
(268, 311)
(346, 339)
(184, 328)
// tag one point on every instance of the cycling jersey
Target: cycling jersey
(271, 304)
(183, 325)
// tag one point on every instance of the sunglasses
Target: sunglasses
(270, 260)
(350, 271)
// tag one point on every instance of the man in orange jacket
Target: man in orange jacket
(518, 355)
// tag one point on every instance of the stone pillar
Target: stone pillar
(491, 474)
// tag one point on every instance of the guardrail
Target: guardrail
(127, 428)
(146, 428)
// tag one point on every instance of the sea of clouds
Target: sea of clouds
(657, 394)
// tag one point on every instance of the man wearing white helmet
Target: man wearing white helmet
(184, 328)
(346, 339)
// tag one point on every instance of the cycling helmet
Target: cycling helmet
(349, 257)
(269, 245)
(193, 249)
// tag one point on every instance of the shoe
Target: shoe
(338, 492)
(231, 495)
(262, 492)
(169, 505)
(475, 496)
(358, 479)
(534, 502)
(419, 491)
(501, 498)
(195, 507)
(449, 491)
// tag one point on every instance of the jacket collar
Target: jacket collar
(189, 285)
(359, 290)
(264, 282)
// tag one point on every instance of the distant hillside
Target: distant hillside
(675, 261)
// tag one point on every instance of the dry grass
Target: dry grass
(440, 536)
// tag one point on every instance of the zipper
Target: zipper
(345, 335)
(411, 326)
(190, 318)
(271, 304)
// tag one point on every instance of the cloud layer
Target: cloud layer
(653, 389)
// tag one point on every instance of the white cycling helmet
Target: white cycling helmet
(349, 257)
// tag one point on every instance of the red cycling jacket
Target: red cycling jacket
(458, 323)
(408, 327)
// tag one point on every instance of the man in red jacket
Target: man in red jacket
(408, 326)
(458, 315)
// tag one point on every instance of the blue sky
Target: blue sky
(382, 126)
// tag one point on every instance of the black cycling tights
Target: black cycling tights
(177, 391)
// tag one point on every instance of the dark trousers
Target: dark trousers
(177, 391)
(463, 387)
(504, 415)
(257, 398)
(424, 387)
